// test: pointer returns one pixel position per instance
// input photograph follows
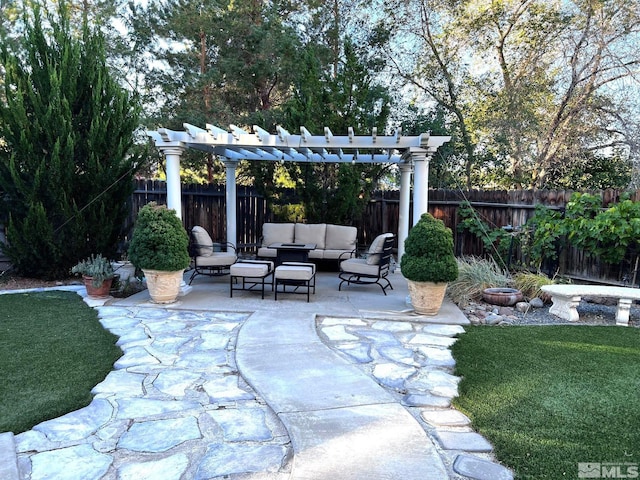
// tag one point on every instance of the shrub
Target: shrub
(159, 241)
(67, 133)
(474, 275)
(428, 252)
(96, 267)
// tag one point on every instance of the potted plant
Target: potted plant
(97, 274)
(428, 263)
(159, 247)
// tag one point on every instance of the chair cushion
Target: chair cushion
(218, 259)
(311, 233)
(253, 269)
(341, 237)
(202, 242)
(358, 266)
(294, 272)
(376, 247)
(277, 232)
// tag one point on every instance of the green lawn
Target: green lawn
(53, 351)
(551, 397)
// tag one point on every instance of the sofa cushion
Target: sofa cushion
(375, 249)
(311, 233)
(276, 233)
(202, 243)
(341, 237)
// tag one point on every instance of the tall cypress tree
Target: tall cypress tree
(66, 136)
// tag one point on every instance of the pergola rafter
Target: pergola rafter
(411, 153)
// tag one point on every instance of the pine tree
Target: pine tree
(66, 133)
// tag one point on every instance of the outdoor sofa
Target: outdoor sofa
(333, 242)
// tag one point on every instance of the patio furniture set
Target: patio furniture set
(285, 258)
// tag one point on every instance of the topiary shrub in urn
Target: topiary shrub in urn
(159, 247)
(428, 263)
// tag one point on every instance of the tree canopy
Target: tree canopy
(66, 136)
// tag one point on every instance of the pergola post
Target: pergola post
(174, 191)
(405, 200)
(420, 185)
(230, 170)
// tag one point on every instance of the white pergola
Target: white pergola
(410, 153)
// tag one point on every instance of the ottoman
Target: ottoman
(302, 276)
(254, 274)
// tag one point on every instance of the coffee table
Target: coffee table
(292, 252)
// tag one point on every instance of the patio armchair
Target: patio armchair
(374, 268)
(209, 258)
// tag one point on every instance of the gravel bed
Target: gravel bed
(591, 313)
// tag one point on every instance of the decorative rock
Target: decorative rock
(479, 469)
(493, 319)
(8, 461)
(523, 307)
(536, 302)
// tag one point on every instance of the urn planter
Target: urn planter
(504, 297)
(426, 297)
(164, 287)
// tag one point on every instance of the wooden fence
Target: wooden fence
(205, 205)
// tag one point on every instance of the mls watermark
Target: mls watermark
(608, 470)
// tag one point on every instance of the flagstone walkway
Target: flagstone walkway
(204, 394)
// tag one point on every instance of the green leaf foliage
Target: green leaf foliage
(159, 240)
(428, 252)
(67, 131)
(609, 233)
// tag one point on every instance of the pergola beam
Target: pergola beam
(410, 152)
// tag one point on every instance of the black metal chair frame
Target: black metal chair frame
(383, 270)
(209, 270)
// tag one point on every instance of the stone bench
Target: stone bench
(566, 299)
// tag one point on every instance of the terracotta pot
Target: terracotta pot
(164, 287)
(426, 297)
(505, 297)
(97, 292)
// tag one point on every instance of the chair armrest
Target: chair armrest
(345, 255)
